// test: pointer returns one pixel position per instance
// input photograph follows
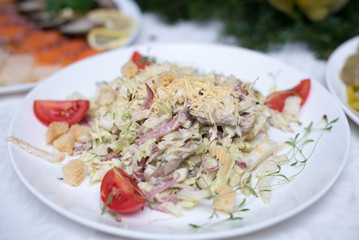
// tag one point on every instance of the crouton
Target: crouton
(165, 78)
(225, 199)
(74, 172)
(81, 133)
(107, 96)
(55, 130)
(65, 143)
(129, 70)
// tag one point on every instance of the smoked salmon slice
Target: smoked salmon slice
(84, 54)
(7, 19)
(29, 54)
(10, 32)
(36, 41)
(59, 53)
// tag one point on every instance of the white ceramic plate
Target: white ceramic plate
(334, 67)
(81, 204)
(127, 7)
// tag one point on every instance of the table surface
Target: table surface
(335, 216)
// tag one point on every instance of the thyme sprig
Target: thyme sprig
(232, 216)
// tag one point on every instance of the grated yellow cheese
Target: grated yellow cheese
(211, 98)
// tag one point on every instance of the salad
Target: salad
(167, 137)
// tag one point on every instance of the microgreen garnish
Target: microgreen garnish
(278, 174)
(244, 148)
(101, 82)
(115, 216)
(147, 59)
(297, 158)
(197, 185)
(143, 59)
(214, 214)
(232, 217)
(239, 209)
(296, 155)
(60, 178)
(194, 225)
(247, 186)
(109, 200)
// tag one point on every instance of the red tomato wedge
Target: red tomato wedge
(60, 111)
(140, 60)
(120, 192)
(276, 100)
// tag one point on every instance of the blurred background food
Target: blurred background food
(46, 35)
(350, 76)
(350, 71)
(262, 24)
(38, 37)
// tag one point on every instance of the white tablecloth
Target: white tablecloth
(335, 216)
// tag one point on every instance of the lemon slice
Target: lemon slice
(113, 19)
(105, 39)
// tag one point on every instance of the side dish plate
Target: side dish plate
(127, 7)
(335, 85)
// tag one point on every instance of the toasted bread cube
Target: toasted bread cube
(65, 143)
(55, 130)
(129, 70)
(107, 96)
(225, 199)
(74, 172)
(165, 78)
(81, 133)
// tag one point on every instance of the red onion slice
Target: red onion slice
(239, 85)
(240, 163)
(164, 129)
(139, 175)
(163, 186)
(208, 168)
(154, 149)
(168, 198)
(111, 155)
(149, 98)
(82, 147)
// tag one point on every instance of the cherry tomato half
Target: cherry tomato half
(276, 100)
(126, 195)
(140, 60)
(60, 111)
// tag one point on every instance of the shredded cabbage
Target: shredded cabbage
(201, 134)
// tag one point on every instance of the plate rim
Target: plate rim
(19, 88)
(328, 77)
(212, 235)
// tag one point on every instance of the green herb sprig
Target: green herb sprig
(296, 156)
(79, 6)
(232, 217)
(109, 200)
(258, 25)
